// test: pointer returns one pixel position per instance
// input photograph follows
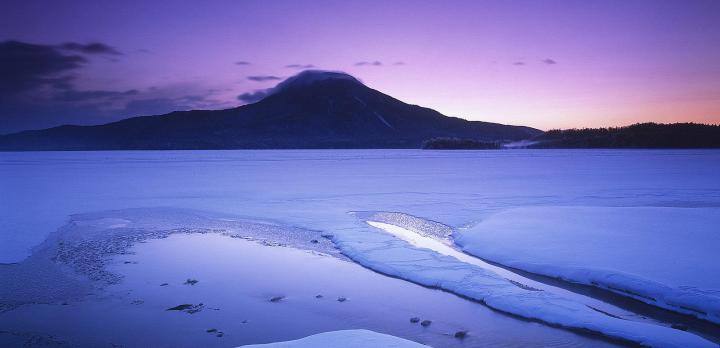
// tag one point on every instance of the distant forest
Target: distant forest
(641, 135)
(459, 144)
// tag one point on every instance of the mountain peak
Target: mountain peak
(313, 109)
(309, 77)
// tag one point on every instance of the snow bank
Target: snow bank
(666, 257)
(345, 339)
(381, 252)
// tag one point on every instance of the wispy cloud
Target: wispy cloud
(368, 63)
(90, 48)
(72, 95)
(300, 66)
(257, 95)
(518, 63)
(261, 78)
(242, 62)
(549, 61)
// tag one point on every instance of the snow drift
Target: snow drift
(666, 257)
(394, 257)
(346, 339)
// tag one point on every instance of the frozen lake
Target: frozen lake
(325, 191)
(316, 188)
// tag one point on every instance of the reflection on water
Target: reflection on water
(236, 280)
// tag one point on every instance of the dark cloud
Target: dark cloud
(518, 63)
(17, 116)
(399, 63)
(25, 66)
(159, 105)
(90, 48)
(242, 62)
(62, 83)
(260, 78)
(373, 63)
(300, 66)
(38, 90)
(193, 98)
(96, 107)
(549, 61)
(152, 106)
(72, 95)
(252, 97)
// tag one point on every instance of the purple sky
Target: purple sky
(546, 64)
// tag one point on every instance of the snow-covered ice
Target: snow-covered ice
(321, 191)
(316, 188)
(392, 256)
(345, 339)
(666, 257)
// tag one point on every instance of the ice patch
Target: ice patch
(665, 257)
(73, 261)
(345, 339)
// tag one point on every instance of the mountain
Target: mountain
(314, 109)
(641, 135)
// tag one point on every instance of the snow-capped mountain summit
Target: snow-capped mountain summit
(309, 77)
(313, 109)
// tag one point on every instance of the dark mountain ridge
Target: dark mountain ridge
(314, 109)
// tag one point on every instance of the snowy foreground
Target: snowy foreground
(345, 339)
(667, 257)
(637, 223)
(257, 282)
(427, 267)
